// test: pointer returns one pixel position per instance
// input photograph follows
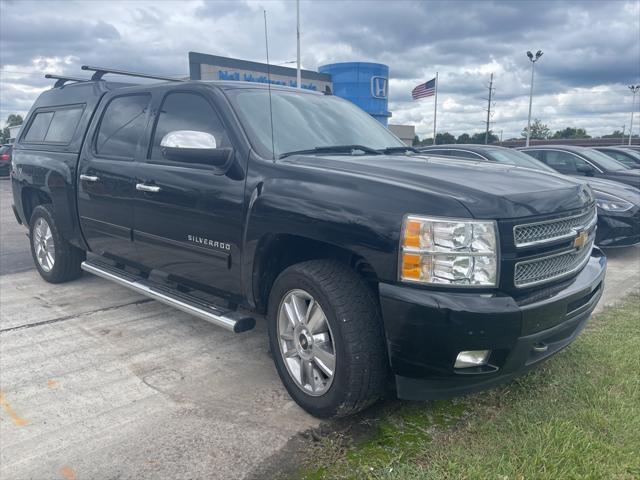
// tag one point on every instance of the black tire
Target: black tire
(361, 366)
(67, 259)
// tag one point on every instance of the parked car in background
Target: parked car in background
(618, 213)
(5, 159)
(635, 148)
(627, 156)
(583, 162)
(488, 153)
(618, 203)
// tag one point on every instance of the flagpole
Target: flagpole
(435, 110)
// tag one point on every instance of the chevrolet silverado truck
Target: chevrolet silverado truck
(374, 266)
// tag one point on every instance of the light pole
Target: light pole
(298, 71)
(533, 63)
(634, 89)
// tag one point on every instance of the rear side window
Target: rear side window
(39, 127)
(63, 125)
(561, 161)
(537, 154)
(122, 124)
(54, 126)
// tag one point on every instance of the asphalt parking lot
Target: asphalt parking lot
(99, 382)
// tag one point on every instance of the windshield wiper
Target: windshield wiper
(405, 149)
(347, 149)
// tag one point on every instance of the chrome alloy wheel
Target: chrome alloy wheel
(43, 244)
(306, 342)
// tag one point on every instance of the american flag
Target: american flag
(424, 89)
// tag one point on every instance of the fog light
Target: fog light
(472, 358)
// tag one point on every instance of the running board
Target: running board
(229, 319)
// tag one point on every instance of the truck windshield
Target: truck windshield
(304, 121)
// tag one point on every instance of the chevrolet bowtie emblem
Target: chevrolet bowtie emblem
(581, 240)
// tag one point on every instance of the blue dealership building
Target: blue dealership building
(363, 83)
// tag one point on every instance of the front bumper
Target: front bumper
(620, 229)
(426, 330)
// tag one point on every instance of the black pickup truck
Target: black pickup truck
(374, 265)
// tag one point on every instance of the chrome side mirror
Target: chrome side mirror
(188, 139)
(190, 146)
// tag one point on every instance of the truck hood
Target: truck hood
(486, 190)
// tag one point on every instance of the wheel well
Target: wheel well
(31, 198)
(277, 252)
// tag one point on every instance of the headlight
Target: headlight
(611, 203)
(443, 251)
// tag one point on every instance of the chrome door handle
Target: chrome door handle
(147, 188)
(89, 178)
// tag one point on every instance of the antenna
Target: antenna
(266, 43)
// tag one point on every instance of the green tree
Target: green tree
(416, 141)
(12, 120)
(444, 138)
(615, 134)
(479, 138)
(571, 132)
(464, 138)
(539, 130)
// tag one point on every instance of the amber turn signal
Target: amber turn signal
(412, 234)
(411, 266)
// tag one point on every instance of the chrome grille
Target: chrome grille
(551, 230)
(553, 267)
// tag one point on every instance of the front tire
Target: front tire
(56, 259)
(326, 337)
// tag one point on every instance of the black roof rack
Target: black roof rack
(61, 80)
(99, 72)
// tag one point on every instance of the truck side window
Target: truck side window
(54, 126)
(186, 111)
(122, 124)
(39, 126)
(63, 125)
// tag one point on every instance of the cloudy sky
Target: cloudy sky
(591, 51)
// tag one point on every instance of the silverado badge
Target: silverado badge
(206, 242)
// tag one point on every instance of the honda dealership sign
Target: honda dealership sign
(212, 67)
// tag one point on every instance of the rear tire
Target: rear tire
(56, 259)
(347, 325)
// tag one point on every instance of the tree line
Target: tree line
(539, 131)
